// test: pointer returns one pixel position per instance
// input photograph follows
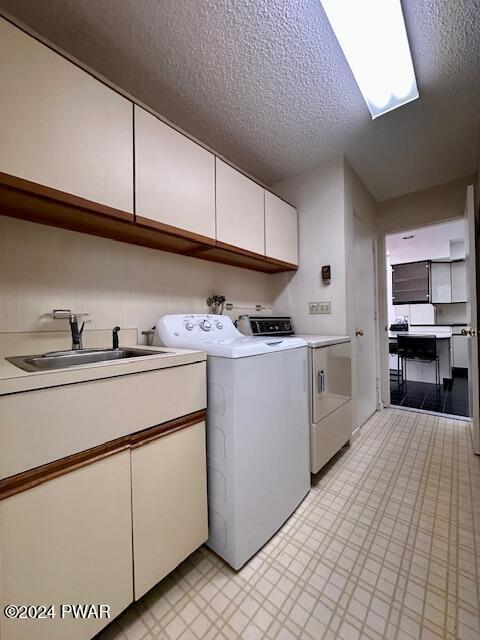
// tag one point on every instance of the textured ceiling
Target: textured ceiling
(265, 84)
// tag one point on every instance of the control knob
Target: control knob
(219, 324)
(205, 325)
(189, 326)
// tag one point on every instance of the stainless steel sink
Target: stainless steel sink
(62, 359)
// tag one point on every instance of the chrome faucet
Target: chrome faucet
(73, 318)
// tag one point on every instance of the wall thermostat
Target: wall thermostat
(326, 275)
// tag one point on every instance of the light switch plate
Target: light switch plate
(319, 307)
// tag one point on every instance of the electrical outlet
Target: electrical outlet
(319, 307)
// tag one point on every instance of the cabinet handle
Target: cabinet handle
(321, 381)
(359, 332)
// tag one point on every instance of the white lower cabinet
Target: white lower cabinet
(68, 541)
(169, 499)
(329, 435)
(460, 351)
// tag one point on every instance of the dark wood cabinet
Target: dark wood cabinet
(411, 282)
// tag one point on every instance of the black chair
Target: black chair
(393, 351)
(420, 348)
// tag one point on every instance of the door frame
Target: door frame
(383, 302)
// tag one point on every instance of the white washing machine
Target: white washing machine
(257, 429)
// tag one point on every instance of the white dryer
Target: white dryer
(257, 429)
(330, 374)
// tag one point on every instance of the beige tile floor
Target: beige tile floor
(386, 545)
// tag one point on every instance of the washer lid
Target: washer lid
(244, 347)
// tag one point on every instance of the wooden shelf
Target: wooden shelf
(27, 200)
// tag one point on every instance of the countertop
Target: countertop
(323, 341)
(15, 380)
(441, 324)
(440, 335)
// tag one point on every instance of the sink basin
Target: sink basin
(62, 359)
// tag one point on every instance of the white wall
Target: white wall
(457, 249)
(436, 204)
(42, 267)
(318, 196)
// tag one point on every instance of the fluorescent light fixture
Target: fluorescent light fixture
(374, 40)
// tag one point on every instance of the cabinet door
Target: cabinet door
(411, 282)
(419, 284)
(460, 351)
(240, 209)
(459, 281)
(331, 379)
(281, 229)
(174, 177)
(400, 284)
(60, 127)
(68, 540)
(169, 499)
(441, 283)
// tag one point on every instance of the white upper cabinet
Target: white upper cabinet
(449, 282)
(281, 229)
(60, 127)
(174, 177)
(459, 281)
(240, 209)
(440, 282)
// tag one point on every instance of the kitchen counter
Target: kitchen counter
(15, 380)
(423, 371)
(440, 335)
(441, 324)
(323, 341)
(51, 414)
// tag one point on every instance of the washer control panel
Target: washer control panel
(263, 326)
(203, 324)
(194, 330)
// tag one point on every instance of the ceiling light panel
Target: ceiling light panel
(374, 40)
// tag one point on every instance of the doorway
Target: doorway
(427, 318)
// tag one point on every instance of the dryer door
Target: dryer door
(331, 379)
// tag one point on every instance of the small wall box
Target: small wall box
(326, 274)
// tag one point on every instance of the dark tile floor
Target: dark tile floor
(424, 395)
